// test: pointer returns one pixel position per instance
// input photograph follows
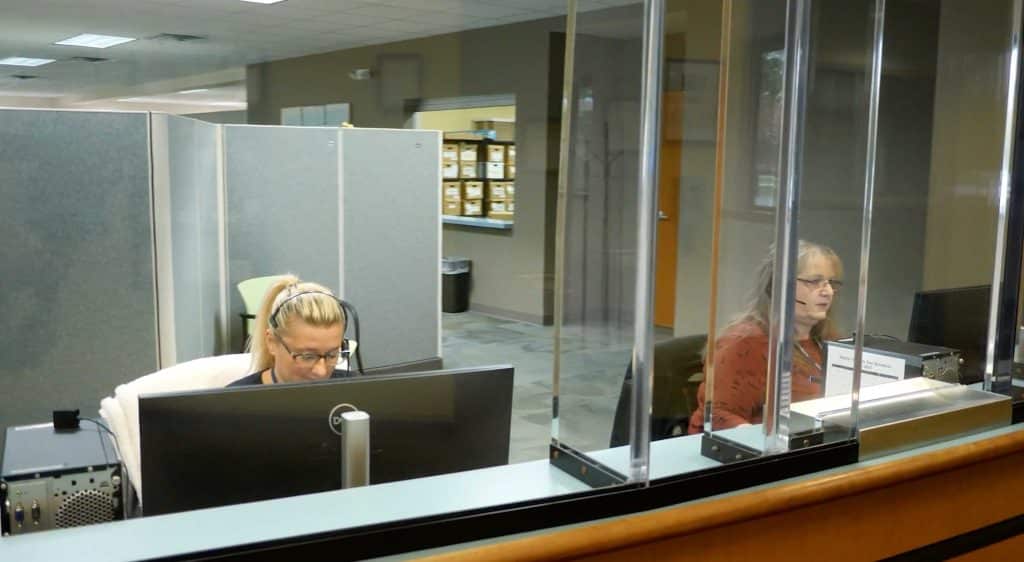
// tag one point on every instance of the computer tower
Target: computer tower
(53, 479)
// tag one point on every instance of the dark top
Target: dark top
(254, 379)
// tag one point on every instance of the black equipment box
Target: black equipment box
(929, 361)
(51, 479)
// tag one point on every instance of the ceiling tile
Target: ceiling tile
(234, 32)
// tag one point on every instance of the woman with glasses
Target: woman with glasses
(741, 351)
(297, 336)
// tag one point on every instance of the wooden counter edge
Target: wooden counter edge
(626, 531)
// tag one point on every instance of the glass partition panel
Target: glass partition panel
(695, 67)
(774, 226)
(593, 380)
(873, 161)
(938, 213)
(754, 213)
(841, 101)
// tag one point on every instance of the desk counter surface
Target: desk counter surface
(190, 532)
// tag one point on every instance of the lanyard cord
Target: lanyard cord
(817, 365)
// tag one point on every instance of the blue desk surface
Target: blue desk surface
(182, 533)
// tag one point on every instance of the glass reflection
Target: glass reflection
(740, 358)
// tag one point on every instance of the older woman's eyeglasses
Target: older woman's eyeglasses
(819, 283)
(308, 358)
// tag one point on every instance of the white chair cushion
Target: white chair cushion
(122, 411)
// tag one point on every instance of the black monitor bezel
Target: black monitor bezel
(500, 374)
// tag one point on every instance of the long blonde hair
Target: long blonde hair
(289, 299)
(759, 304)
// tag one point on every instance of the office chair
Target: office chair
(352, 345)
(252, 291)
(121, 411)
(678, 371)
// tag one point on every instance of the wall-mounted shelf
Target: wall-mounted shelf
(479, 222)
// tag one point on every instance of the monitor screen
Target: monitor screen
(224, 446)
(956, 318)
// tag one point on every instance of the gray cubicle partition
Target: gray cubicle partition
(76, 268)
(125, 234)
(357, 210)
(282, 207)
(187, 214)
(391, 232)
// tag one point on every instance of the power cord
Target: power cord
(103, 442)
(64, 420)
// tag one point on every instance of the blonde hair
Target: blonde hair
(760, 303)
(287, 300)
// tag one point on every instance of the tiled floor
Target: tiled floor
(593, 364)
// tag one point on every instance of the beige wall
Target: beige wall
(970, 105)
(462, 119)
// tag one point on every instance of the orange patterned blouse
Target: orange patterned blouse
(741, 371)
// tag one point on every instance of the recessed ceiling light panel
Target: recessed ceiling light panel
(25, 61)
(94, 41)
(179, 37)
(90, 60)
(263, 1)
(195, 91)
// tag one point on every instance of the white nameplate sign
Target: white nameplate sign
(875, 369)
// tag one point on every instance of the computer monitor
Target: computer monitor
(224, 446)
(956, 318)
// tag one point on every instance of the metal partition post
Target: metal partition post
(560, 209)
(647, 216)
(1002, 320)
(870, 166)
(780, 356)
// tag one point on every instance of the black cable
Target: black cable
(103, 444)
(100, 424)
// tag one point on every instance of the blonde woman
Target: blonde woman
(297, 336)
(741, 351)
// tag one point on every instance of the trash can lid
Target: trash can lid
(454, 265)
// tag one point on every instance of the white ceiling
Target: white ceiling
(235, 34)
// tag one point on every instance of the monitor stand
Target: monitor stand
(353, 427)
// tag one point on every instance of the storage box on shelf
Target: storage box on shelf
(453, 208)
(472, 190)
(474, 208)
(475, 175)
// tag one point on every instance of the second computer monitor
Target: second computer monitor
(224, 446)
(956, 318)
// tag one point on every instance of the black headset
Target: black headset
(347, 311)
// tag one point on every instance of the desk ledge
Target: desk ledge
(648, 527)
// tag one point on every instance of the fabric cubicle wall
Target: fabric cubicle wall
(392, 241)
(77, 261)
(357, 210)
(187, 217)
(126, 233)
(282, 207)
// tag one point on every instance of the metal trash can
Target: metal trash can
(455, 284)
